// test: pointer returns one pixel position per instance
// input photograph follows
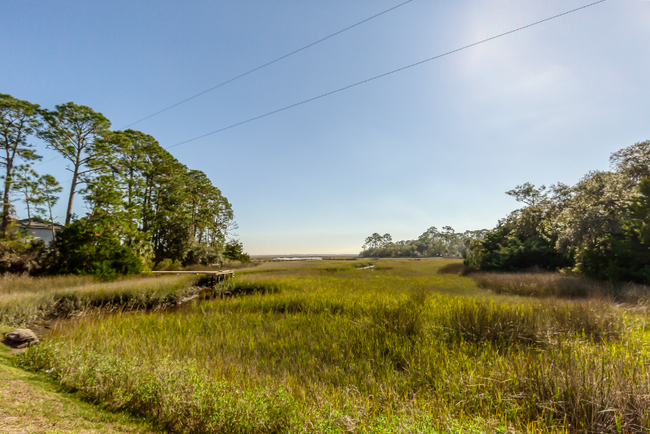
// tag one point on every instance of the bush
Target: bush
(85, 248)
(234, 251)
(21, 253)
(200, 254)
(506, 249)
(168, 265)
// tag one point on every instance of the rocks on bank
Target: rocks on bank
(20, 338)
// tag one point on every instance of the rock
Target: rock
(21, 338)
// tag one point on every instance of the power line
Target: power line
(253, 70)
(46, 161)
(267, 64)
(385, 74)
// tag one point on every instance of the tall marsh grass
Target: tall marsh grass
(531, 324)
(546, 284)
(402, 350)
(27, 300)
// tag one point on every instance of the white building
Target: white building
(38, 229)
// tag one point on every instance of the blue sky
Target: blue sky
(434, 145)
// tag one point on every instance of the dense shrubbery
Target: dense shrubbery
(20, 253)
(625, 256)
(506, 249)
(85, 248)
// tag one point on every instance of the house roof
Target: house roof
(37, 224)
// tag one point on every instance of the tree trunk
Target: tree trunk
(73, 187)
(49, 208)
(5, 200)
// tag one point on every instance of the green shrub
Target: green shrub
(85, 248)
(177, 396)
(201, 254)
(506, 249)
(168, 265)
(234, 251)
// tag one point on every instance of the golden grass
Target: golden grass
(26, 300)
(16, 283)
(547, 284)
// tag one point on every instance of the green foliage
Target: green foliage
(76, 133)
(20, 253)
(202, 254)
(596, 227)
(234, 250)
(84, 247)
(506, 249)
(625, 256)
(18, 120)
(432, 243)
(168, 265)
(153, 204)
(148, 192)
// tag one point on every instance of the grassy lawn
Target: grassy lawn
(335, 347)
(29, 403)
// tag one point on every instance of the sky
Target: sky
(434, 145)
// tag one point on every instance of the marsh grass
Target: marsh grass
(21, 283)
(27, 300)
(547, 284)
(457, 268)
(231, 288)
(404, 350)
(531, 324)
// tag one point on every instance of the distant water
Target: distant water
(300, 258)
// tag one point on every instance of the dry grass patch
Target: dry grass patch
(547, 284)
(27, 301)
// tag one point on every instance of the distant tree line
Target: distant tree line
(144, 207)
(432, 243)
(599, 227)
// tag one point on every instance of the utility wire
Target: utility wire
(267, 64)
(46, 161)
(385, 74)
(252, 70)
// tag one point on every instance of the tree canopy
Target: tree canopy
(432, 243)
(142, 202)
(596, 227)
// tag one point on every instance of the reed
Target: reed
(547, 284)
(27, 301)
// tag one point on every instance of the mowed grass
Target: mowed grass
(25, 301)
(330, 347)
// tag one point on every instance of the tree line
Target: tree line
(144, 207)
(432, 243)
(599, 227)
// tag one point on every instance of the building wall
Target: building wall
(43, 234)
